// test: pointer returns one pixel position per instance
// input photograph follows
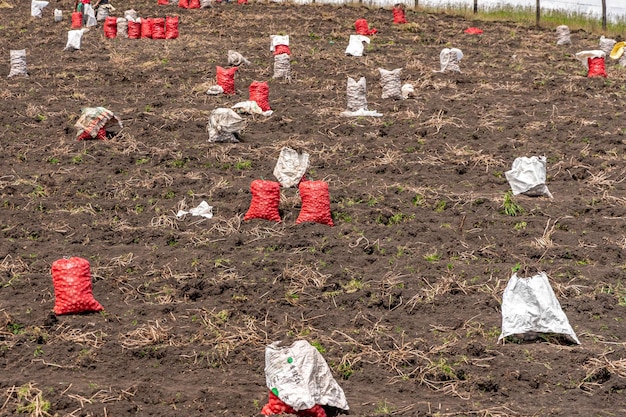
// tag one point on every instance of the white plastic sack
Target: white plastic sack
(90, 15)
(131, 15)
(300, 377)
(203, 209)
(449, 59)
(282, 66)
(355, 45)
(73, 39)
(583, 56)
(528, 176)
(276, 40)
(606, 45)
(18, 63)
(390, 83)
(563, 35)
(224, 125)
(250, 107)
(215, 90)
(529, 306)
(236, 59)
(36, 7)
(290, 167)
(58, 15)
(408, 91)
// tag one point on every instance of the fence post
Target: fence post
(475, 6)
(603, 14)
(538, 13)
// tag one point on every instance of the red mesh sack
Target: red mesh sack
(163, 2)
(158, 28)
(265, 201)
(171, 27)
(362, 28)
(134, 30)
(110, 27)
(102, 135)
(276, 406)
(282, 49)
(146, 28)
(315, 203)
(226, 79)
(194, 4)
(183, 3)
(242, 1)
(398, 15)
(596, 67)
(77, 20)
(259, 92)
(72, 287)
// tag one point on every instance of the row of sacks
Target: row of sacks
(144, 28)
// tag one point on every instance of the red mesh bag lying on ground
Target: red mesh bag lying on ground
(259, 92)
(315, 203)
(110, 27)
(276, 406)
(226, 79)
(171, 27)
(102, 135)
(134, 30)
(194, 4)
(596, 67)
(362, 28)
(163, 2)
(158, 28)
(77, 20)
(242, 1)
(282, 49)
(398, 15)
(146, 28)
(72, 287)
(265, 201)
(183, 3)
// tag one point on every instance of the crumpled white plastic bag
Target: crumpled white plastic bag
(73, 39)
(36, 7)
(58, 15)
(583, 56)
(528, 176)
(224, 124)
(203, 209)
(250, 107)
(355, 45)
(300, 377)
(449, 59)
(290, 167)
(91, 15)
(529, 306)
(276, 40)
(236, 59)
(407, 91)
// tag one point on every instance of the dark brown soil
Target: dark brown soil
(402, 295)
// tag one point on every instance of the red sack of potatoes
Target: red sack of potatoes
(102, 135)
(183, 3)
(163, 2)
(146, 28)
(399, 17)
(259, 92)
(596, 67)
(110, 27)
(194, 4)
(171, 27)
(276, 406)
(134, 30)
(315, 203)
(77, 20)
(158, 28)
(362, 28)
(265, 201)
(282, 49)
(72, 287)
(226, 79)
